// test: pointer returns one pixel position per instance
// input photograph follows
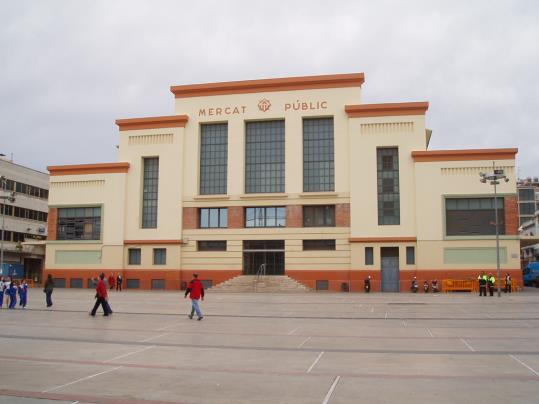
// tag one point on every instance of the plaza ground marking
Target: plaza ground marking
(82, 379)
(468, 345)
(168, 326)
(303, 343)
(315, 362)
(155, 337)
(331, 389)
(430, 332)
(293, 331)
(372, 309)
(523, 364)
(403, 323)
(385, 316)
(129, 353)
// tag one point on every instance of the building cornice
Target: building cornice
(383, 239)
(152, 242)
(80, 169)
(464, 155)
(155, 122)
(268, 85)
(387, 109)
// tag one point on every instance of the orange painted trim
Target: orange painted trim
(464, 155)
(382, 239)
(279, 84)
(173, 121)
(79, 169)
(151, 242)
(387, 109)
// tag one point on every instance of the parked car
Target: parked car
(531, 274)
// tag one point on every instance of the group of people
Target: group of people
(414, 287)
(115, 282)
(487, 282)
(10, 288)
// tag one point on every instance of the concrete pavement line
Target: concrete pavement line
(468, 345)
(315, 362)
(331, 389)
(81, 379)
(293, 331)
(169, 326)
(129, 353)
(155, 337)
(523, 364)
(303, 343)
(430, 332)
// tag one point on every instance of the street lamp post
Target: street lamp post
(9, 198)
(494, 179)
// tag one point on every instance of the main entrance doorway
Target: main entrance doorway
(265, 254)
(390, 269)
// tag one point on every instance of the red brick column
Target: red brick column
(190, 218)
(294, 216)
(52, 223)
(342, 215)
(511, 215)
(236, 217)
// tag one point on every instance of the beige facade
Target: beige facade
(425, 180)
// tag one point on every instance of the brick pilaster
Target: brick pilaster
(342, 215)
(52, 223)
(236, 217)
(294, 216)
(190, 218)
(511, 215)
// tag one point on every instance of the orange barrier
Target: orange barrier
(472, 285)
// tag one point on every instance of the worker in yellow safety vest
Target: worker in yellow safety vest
(491, 280)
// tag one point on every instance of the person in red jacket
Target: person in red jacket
(101, 297)
(195, 290)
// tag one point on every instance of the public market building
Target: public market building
(294, 173)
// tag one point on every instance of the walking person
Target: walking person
(195, 290)
(508, 283)
(111, 281)
(13, 295)
(48, 289)
(482, 284)
(7, 284)
(23, 293)
(2, 288)
(119, 281)
(101, 296)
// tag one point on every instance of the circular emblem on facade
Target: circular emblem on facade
(264, 105)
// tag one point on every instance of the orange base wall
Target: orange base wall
(354, 278)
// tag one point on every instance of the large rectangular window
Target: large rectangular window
(526, 194)
(387, 165)
(213, 158)
(270, 216)
(473, 216)
(82, 223)
(213, 218)
(318, 155)
(211, 245)
(319, 216)
(316, 245)
(264, 157)
(150, 192)
(526, 208)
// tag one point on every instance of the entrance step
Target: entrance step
(262, 284)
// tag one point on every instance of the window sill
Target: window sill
(221, 197)
(264, 196)
(74, 241)
(318, 194)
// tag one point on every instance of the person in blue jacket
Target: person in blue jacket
(23, 293)
(12, 295)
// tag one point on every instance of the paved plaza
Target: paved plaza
(272, 348)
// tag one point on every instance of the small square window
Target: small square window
(132, 283)
(134, 256)
(322, 285)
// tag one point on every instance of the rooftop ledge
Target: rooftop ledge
(81, 169)
(154, 122)
(386, 109)
(269, 85)
(464, 155)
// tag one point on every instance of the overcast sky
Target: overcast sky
(68, 69)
